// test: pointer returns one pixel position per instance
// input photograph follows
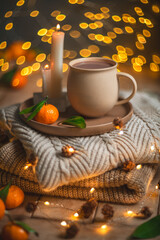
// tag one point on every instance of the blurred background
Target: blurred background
(127, 31)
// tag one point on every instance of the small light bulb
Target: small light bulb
(139, 166)
(129, 212)
(156, 187)
(152, 148)
(92, 190)
(26, 167)
(71, 149)
(104, 226)
(46, 203)
(76, 215)
(120, 132)
(63, 223)
(46, 66)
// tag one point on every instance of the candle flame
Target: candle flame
(58, 27)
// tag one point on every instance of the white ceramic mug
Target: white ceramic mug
(93, 86)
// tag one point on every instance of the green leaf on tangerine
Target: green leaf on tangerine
(26, 227)
(4, 192)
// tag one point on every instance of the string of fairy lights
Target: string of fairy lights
(68, 151)
(100, 28)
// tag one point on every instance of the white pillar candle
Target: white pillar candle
(56, 63)
(46, 80)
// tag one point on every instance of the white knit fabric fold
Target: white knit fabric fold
(96, 154)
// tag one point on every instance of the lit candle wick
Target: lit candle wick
(58, 27)
(46, 66)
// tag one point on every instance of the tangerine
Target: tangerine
(2, 208)
(12, 231)
(19, 81)
(14, 198)
(47, 115)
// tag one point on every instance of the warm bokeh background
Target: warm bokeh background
(126, 31)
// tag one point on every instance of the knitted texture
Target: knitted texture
(96, 154)
(113, 186)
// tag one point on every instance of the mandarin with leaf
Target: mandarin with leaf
(48, 114)
(14, 198)
(11, 231)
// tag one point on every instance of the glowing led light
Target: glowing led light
(72, 1)
(132, 20)
(63, 223)
(139, 166)
(111, 35)
(5, 67)
(141, 38)
(92, 26)
(118, 30)
(139, 45)
(142, 58)
(146, 33)
(41, 57)
(130, 213)
(144, 1)
(26, 45)
(72, 54)
(129, 29)
(80, 1)
(155, 9)
(104, 9)
(83, 25)
(107, 40)
(116, 18)
(88, 14)
(156, 59)
(116, 58)
(60, 17)
(99, 37)
(154, 67)
(65, 67)
(156, 187)
(20, 60)
(46, 203)
(26, 167)
(1, 62)
(3, 45)
(152, 148)
(20, 3)
(99, 24)
(129, 51)
(8, 14)
(120, 132)
(75, 34)
(99, 16)
(42, 32)
(25, 71)
(55, 13)
(36, 67)
(9, 26)
(91, 36)
(104, 226)
(94, 48)
(66, 27)
(92, 190)
(34, 13)
(85, 52)
(137, 68)
(76, 215)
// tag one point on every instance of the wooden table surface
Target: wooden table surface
(46, 219)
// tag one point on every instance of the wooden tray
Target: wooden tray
(94, 126)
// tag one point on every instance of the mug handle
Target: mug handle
(134, 84)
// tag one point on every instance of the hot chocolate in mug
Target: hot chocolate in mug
(93, 86)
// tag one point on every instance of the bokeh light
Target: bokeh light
(41, 57)
(34, 13)
(85, 53)
(9, 26)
